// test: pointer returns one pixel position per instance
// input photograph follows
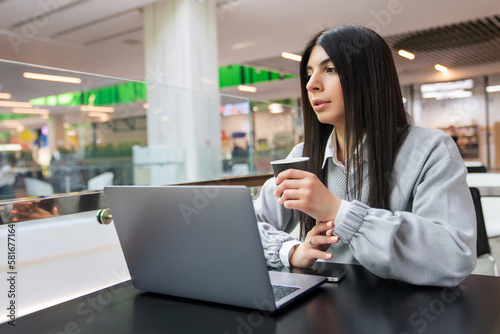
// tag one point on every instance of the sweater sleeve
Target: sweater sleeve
(433, 242)
(276, 244)
(276, 222)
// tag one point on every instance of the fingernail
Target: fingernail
(328, 255)
(330, 224)
(335, 239)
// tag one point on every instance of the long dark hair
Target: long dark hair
(373, 107)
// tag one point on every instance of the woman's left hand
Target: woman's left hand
(303, 191)
(319, 239)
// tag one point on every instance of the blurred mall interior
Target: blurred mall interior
(169, 91)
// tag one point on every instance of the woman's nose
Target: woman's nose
(314, 83)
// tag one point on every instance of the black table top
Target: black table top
(360, 303)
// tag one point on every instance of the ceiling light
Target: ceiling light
(12, 104)
(440, 68)
(30, 111)
(275, 108)
(11, 124)
(491, 89)
(249, 89)
(291, 56)
(101, 115)
(242, 45)
(406, 54)
(48, 77)
(452, 94)
(451, 85)
(97, 109)
(429, 95)
(5, 96)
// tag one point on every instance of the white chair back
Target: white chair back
(100, 181)
(483, 180)
(35, 187)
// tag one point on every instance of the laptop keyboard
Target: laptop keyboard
(281, 291)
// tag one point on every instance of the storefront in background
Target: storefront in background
(468, 110)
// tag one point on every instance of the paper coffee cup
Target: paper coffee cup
(284, 164)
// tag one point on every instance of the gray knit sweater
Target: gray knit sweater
(427, 238)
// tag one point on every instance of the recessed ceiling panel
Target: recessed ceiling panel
(455, 46)
(464, 34)
(15, 12)
(99, 30)
(73, 15)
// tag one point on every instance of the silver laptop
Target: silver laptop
(199, 242)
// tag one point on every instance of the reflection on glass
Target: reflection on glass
(31, 210)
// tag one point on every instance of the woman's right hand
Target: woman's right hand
(30, 210)
(315, 245)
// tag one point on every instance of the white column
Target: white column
(183, 86)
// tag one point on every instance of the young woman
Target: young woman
(379, 191)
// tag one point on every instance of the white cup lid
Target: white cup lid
(287, 161)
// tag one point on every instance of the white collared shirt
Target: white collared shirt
(331, 151)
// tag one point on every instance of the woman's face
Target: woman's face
(324, 90)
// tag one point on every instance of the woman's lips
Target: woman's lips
(319, 105)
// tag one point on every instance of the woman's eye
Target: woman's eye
(331, 70)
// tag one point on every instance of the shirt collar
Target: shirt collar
(331, 150)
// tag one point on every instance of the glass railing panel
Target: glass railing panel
(51, 132)
(61, 137)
